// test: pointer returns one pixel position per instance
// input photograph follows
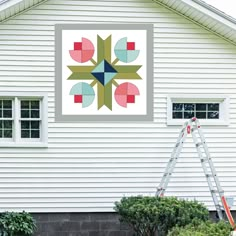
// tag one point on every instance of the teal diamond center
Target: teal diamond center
(104, 72)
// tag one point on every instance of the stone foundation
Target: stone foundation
(84, 224)
(80, 224)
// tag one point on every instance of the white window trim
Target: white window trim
(17, 141)
(224, 101)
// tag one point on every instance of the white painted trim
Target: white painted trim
(224, 101)
(17, 141)
(8, 4)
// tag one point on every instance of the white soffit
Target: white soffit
(10, 8)
(205, 15)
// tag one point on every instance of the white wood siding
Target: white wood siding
(89, 166)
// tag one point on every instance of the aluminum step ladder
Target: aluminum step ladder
(193, 127)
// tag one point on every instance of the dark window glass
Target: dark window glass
(188, 107)
(213, 107)
(1, 131)
(34, 113)
(25, 133)
(177, 107)
(34, 124)
(201, 115)
(1, 124)
(7, 124)
(7, 133)
(25, 124)
(35, 105)
(200, 107)
(25, 104)
(7, 113)
(213, 115)
(7, 104)
(188, 115)
(34, 133)
(177, 115)
(25, 114)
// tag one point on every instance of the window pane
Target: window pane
(177, 106)
(7, 113)
(213, 115)
(1, 111)
(1, 133)
(7, 104)
(1, 124)
(200, 107)
(25, 114)
(213, 107)
(188, 115)
(201, 115)
(25, 124)
(7, 124)
(188, 107)
(25, 104)
(34, 113)
(34, 133)
(25, 134)
(177, 115)
(34, 124)
(7, 133)
(35, 105)
(1, 104)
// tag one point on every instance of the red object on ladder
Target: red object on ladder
(193, 127)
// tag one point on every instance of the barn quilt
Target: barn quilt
(104, 72)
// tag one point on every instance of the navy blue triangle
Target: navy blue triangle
(99, 76)
(108, 67)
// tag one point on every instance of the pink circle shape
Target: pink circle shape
(124, 92)
(84, 53)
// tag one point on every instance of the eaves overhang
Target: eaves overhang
(204, 15)
(11, 8)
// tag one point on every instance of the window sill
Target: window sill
(23, 145)
(202, 122)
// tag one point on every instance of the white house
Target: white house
(80, 168)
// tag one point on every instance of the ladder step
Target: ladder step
(198, 144)
(216, 191)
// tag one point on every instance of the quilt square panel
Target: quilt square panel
(104, 72)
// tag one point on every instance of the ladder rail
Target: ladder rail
(172, 162)
(208, 176)
(216, 190)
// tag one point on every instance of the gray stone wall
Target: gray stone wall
(85, 224)
(80, 224)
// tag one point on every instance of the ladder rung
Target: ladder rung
(216, 191)
(165, 174)
(209, 175)
(198, 144)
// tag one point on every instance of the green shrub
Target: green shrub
(17, 224)
(206, 228)
(146, 215)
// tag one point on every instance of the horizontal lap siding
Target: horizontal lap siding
(89, 166)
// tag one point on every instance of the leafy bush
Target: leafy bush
(146, 215)
(17, 224)
(202, 229)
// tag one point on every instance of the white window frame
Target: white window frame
(16, 140)
(223, 100)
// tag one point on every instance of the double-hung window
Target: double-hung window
(23, 120)
(209, 109)
(6, 119)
